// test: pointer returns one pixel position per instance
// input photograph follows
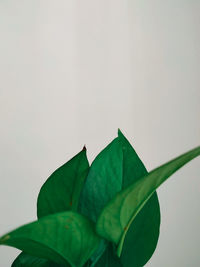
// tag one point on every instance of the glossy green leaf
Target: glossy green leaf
(133, 168)
(25, 260)
(103, 182)
(62, 189)
(142, 237)
(120, 212)
(66, 237)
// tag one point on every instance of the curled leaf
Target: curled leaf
(117, 216)
(64, 238)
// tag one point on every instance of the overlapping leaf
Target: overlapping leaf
(25, 260)
(62, 189)
(105, 179)
(142, 236)
(119, 189)
(59, 193)
(109, 259)
(120, 212)
(64, 238)
(103, 182)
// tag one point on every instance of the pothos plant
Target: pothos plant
(103, 215)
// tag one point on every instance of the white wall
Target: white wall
(72, 72)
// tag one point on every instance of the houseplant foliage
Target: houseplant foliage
(106, 214)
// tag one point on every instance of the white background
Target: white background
(71, 73)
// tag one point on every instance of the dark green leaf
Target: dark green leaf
(142, 237)
(66, 237)
(62, 189)
(25, 260)
(109, 259)
(103, 182)
(119, 213)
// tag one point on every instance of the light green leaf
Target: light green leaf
(120, 212)
(62, 189)
(25, 260)
(66, 237)
(142, 237)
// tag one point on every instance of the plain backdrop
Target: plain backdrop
(71, 73)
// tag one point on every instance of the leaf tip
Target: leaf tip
(84, 148)
(119, 132)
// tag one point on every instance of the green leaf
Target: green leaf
(66, 237)
(25, 260)
(62, 189)
(142, 237)
(120, 212)
(103, 182)
(133, 168)
(109, 259)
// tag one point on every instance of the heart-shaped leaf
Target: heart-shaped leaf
(105, 176)
(142, 237)
(62, 189)
(25, 260)
(120, 212)
(66, 237)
